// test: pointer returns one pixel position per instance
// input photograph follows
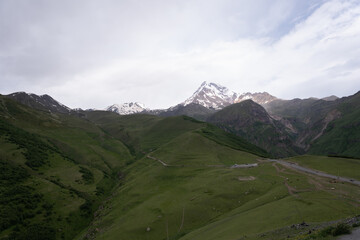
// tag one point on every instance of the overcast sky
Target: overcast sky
(92, 53)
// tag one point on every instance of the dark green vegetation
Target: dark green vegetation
(85, 175)
(55, 171)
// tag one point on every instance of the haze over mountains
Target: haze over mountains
(281, 127)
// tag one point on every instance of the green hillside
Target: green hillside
(342, 136)
(196, 195)
(56, 170)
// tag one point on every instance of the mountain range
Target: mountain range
(193, 171)
(209, 95)
(281, 127)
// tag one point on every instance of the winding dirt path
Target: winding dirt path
(154, 158)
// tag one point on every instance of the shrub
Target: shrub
(340, 229)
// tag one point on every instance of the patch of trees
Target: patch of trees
(17, 203)
(87, 175)
(20, 203)
(36, 150)
(40, 231)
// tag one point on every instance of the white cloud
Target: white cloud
(160, 57)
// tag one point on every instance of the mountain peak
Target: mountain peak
(211, 95)
(127, 108)
(42, 102)
(215, 96)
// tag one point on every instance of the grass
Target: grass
(192, 149)
(214, 203)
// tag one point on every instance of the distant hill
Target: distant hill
(330, 98)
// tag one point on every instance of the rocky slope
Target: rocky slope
(251, 121)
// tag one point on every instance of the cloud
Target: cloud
(87, 54)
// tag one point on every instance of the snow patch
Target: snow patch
(127, 108)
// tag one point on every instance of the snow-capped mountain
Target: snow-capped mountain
(215, 96)
(260, 98)
(126, 108)
(212, 95)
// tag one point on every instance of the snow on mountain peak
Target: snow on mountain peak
(212, 95)
(126, 108)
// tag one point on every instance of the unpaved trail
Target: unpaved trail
(249, 178)
(246, 165)
(292, 191)
(315, 172)
(154, 158)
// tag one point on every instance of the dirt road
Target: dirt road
(315, 172)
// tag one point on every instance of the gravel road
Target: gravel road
(315, 172)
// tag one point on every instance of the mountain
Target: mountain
(42, 102)
(340, 132)
(251, 121)
(212, 96)
(215, 96)
(126, 108)
(322, 127)
(260, 98)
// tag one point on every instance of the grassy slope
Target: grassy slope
(79, 163)
(214, 203)
(277, 208)
(145, 133)
(154, 195)
(341, 137)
